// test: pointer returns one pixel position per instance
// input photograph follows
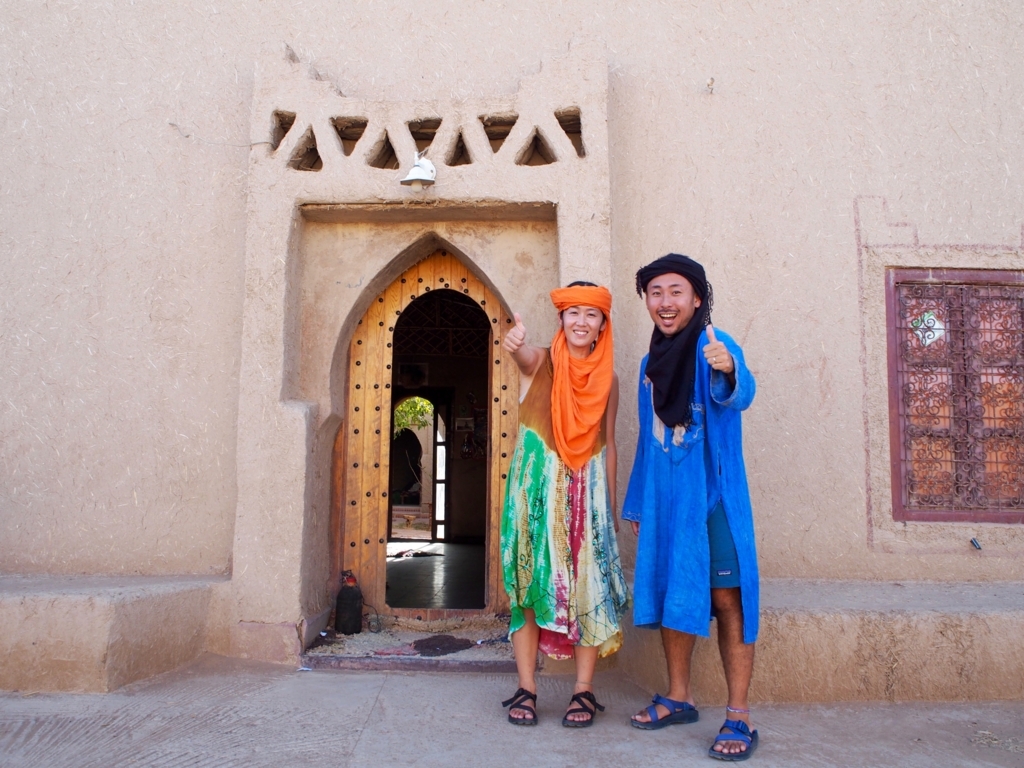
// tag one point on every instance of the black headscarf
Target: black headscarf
(672, 363)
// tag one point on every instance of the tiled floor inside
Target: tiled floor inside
(441, 576)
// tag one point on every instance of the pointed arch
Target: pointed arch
(418, 250)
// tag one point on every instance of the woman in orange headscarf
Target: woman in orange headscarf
(559, 552)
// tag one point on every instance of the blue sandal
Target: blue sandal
(739, 731)
(679, 713)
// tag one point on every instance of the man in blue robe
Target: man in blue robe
(688, 500)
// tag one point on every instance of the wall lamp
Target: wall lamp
(421, 174)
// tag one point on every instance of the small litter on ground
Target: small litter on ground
(441, 645)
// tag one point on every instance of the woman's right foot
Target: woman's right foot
(520, 711)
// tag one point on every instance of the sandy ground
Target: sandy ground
(225, 712)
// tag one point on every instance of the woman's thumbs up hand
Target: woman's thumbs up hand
(516, 337)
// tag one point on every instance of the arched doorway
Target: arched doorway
(439, 505)
(381, 374)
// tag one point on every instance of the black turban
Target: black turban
(672, 362)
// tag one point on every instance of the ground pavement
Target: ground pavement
(225, 712)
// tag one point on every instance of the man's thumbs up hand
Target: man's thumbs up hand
(716, 354)
(516, 337)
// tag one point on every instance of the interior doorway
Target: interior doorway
(414, 425)
(434, 333)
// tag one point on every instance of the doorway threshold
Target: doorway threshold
(478, 644)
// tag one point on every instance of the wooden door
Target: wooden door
(367, 423)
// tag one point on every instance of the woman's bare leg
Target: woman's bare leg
(525, 641)
(586, 663)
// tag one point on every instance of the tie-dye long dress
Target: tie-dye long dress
(559, 552)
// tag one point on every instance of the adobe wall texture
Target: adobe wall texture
(126, 156)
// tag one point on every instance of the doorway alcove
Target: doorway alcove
(323, 244)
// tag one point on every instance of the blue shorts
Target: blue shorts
(725, 565)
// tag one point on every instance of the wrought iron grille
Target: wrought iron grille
(443, 322)
(959, 354)
(457, 342)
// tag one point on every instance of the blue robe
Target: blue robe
(677, 478)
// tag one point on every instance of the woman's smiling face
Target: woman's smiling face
(581, 326)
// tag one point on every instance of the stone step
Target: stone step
(409, 664)
(97, 633)
(450, 645)
(829, 641)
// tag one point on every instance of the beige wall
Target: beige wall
(123, 231)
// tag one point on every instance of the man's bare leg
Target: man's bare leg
(737, 658)
(678, 652)
(524, 647)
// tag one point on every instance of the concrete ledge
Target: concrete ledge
(89, 633)
(829, 641)
(277, 643)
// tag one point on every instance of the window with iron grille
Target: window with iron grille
(956, 394)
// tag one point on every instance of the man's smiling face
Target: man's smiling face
(671, 301)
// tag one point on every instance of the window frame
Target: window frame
(895, 277)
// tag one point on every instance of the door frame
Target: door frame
(446, 418)
(365, 445)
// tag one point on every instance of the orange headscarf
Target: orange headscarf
(580, 387)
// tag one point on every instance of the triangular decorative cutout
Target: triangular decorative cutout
(423, 131)
(460, 153)
(570, 121)
(536, 151)
(306, 157)
(384, 155)
(350, 131)
(282, 123)
(497, 128)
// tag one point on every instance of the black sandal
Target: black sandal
(516, 702)
(581, 699)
